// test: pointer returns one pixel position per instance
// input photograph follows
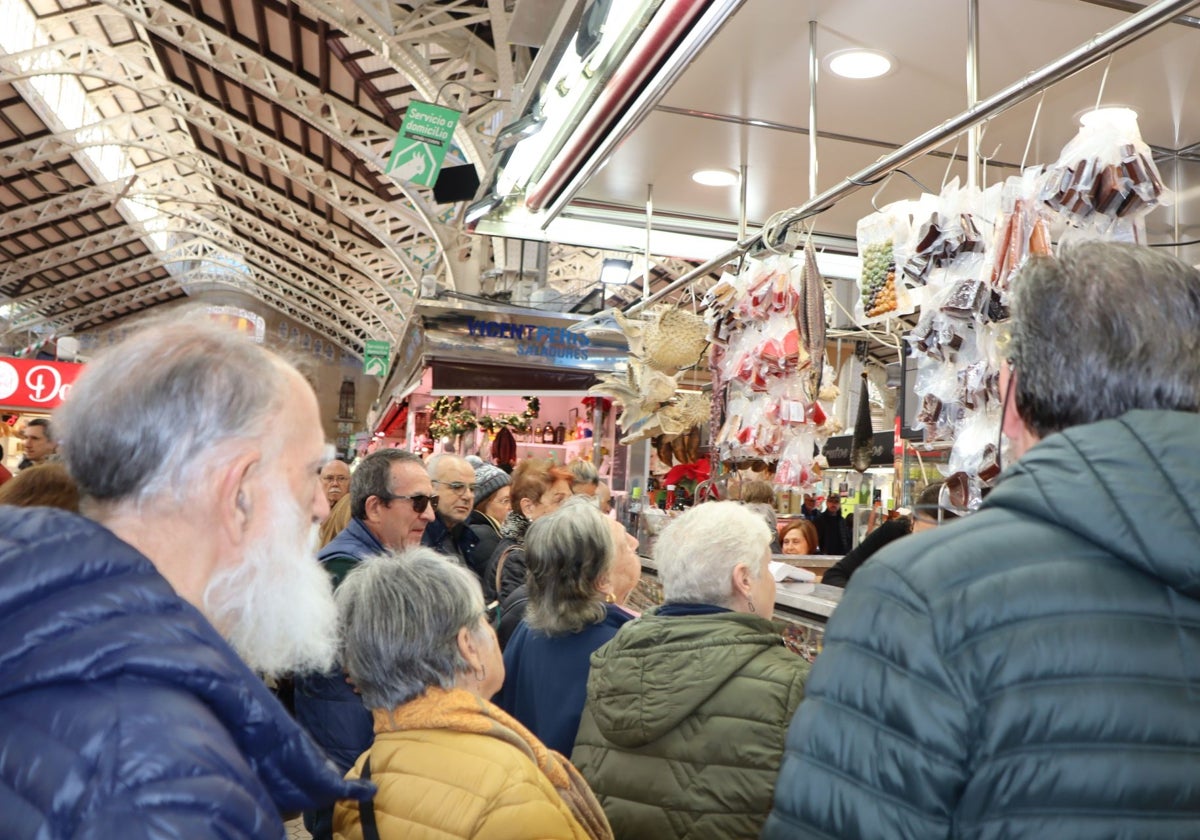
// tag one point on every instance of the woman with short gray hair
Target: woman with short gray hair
(682, 734)
(419, 649)
(572, 611)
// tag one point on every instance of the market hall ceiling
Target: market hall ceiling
(152, 148)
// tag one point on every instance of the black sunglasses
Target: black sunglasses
(420, 501)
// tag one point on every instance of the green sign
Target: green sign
(422, 143)
(377, 356)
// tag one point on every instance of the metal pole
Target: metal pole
(813, 68)
(742, 185)
(1128, 30)
(649, 221)
(972, 91)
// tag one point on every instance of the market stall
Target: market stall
(29, 389)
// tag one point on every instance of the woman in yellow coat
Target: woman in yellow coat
(447, 763)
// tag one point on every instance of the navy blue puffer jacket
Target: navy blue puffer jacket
(1032, 671)
(122, 712)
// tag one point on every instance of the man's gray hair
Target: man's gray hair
(435, 463)
(697, 552)
(566, 552)
(584, 472)
(1102, 329)
(399, 615)
(373, 477)
(144, 418)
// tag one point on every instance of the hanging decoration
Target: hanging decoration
(660, 346)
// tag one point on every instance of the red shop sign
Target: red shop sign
(29, 383)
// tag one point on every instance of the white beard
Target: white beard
(276, 607)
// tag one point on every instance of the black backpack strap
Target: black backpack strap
(367, 809)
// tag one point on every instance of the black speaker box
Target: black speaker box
(455, 183)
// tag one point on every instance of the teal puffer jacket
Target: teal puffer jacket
(683, 729)
(1032, 671)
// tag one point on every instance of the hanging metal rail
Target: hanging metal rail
(1125, 32)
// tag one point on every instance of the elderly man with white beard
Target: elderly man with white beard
(130, 636)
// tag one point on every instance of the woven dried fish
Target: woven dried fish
(673, 338)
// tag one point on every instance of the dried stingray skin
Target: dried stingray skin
(864, 436)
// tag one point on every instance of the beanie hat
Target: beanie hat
(488, 480)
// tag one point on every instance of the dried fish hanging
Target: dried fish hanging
(660, 346)
(767, 326)
(864, 436)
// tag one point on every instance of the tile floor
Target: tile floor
(295, 830)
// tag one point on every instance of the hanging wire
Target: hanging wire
(1033, 128)
(1103, 81)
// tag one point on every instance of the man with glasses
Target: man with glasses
(1033, 670)
(335, 480)
(454, 480)
(391, 502)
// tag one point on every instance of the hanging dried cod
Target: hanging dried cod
(863, 442)
(810, 316)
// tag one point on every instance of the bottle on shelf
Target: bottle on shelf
(670, 502)
(547, 433)
(560, 432)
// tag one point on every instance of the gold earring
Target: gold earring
(750, 601)
(610, 598)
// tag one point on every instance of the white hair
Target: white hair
(149, 417)
(696, 553)
(276, 607)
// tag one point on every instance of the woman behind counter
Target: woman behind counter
(578, 575)
(687, 707)
(447, 763)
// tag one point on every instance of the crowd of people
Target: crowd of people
(466, 663)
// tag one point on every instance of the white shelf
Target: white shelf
(570, 444)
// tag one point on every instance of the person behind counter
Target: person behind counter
(575, 584)
(447, 762)
(682, 733)
(799, 538)
(833, 529)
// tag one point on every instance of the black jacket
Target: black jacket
(839, 573)
(833, 533)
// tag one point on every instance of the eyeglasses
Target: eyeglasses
(457, 486)
(420, 501)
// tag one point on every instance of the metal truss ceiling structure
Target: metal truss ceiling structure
(232, 144)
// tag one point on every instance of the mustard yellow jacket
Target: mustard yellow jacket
(449, 764)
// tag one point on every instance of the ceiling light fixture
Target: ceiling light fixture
(860, 63)
(518, 130)
(715, 177)
(616, 272)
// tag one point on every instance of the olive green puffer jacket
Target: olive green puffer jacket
(683, 730)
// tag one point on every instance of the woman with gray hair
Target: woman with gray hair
(687, 707)
(573, 593)
(419, 650)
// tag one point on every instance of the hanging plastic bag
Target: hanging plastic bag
(1105, 173)
(882, 292)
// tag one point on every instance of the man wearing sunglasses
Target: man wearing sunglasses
(1033, 670)
(454, 480)
(391, 502)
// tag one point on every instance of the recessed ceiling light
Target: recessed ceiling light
(859, 64)
(715, 177)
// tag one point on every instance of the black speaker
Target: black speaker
(455, 183)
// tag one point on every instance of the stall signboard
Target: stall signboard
(422, 143)
(33, 384)
(837, 450)
(377, 358)
(556, 342)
